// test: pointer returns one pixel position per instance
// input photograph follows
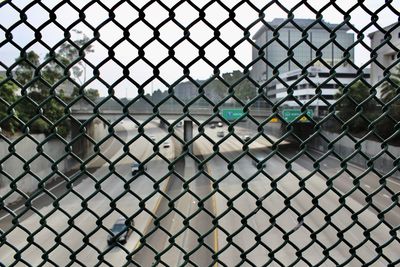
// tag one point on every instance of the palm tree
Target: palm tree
(390, 86)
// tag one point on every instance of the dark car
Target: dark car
(166, 144)
(135, 168)
(120, 232)
(212, 126)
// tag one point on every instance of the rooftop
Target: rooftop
(302, 23)
(387, 28)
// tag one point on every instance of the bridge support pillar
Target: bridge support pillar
(188, 133)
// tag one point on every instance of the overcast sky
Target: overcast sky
(170, 33)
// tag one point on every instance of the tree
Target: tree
(350, 99)
(92, 94)
(244, 90)
(388, 89)
(27, 64)
(40, 98)
(70, 53)
(7, 97)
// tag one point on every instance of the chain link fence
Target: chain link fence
(199, 133)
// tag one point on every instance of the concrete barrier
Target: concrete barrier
(35, 159)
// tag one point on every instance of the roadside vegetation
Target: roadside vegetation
(34, 95)
(363, 114)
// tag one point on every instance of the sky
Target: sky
(155, 13)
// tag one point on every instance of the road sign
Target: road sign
(290, 115)
(232, 114)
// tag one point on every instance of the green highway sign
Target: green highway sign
(290, 115)
(232, 114)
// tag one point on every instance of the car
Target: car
(166, 144)
(152, 137)
(220, 124)
(179, 124)
(220, 134)
(120, 231)
(135, 168)
(246, 138)
(257, 160)
(212, 126)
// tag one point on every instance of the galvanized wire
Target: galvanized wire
(37, 80)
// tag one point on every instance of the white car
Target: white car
(220, 124)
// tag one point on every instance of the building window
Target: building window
(398, 35)
(393, 57)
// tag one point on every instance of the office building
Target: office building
(309, 41)
(387, 55)
(304, 89)
(273, 43)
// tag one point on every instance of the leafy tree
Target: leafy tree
(70, 53)
(27, 64)
(7, 97)
(388, 89)
(39, 97)
(92, 94)
(347, 105)
(244, 90)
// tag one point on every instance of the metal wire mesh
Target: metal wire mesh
(151, 179)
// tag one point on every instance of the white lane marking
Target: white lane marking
(367, 186)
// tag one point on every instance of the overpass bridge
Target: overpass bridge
(197, 115)
(200, 114)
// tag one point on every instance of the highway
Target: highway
(268, 217)
(85, 213)
(276, 216)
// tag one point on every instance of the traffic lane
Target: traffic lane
(108, 148)
(59, 185)
(157, 172)
(211, 142)
(174, 238)
(152, 136)
(345, 181)
(299, 203)
(96, 207)
(58, 188)
(76, 200)
(199, 239)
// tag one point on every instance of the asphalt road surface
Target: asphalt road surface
(278, 215)
(288, 213)
(83, 214)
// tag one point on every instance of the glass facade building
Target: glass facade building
(283, 47)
